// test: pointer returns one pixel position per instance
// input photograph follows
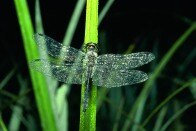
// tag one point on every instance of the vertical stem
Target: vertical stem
(39, 85)
(91, 27)
(88, 118)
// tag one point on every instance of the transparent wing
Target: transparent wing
(61, 72)
(108, 77)
(53, 48)
(127, 61)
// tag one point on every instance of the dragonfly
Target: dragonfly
(73, 66)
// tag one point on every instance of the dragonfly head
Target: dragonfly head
(91, 47)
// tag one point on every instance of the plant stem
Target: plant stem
(91, 27)
(38, 81)
(88, 118)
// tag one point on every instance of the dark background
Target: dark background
(146, 24)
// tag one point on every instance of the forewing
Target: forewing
(61, 72)
(127, 61)
(54, 48)
(105, 76)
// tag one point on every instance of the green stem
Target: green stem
(91, 27)
(38, 81)
(88, 118)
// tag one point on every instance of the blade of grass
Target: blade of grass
(114, 95)
(73, 22)
(166, 100)
(2, 125)
(105, 10)
(7, 78)
(160, 118)
(14, 123)
(51, 83)
(190, 57)
(177, 114)
(177, 124)
(8, 94)
(38, 81)
(118, 115)
(32, 123)
(101, 97)
(62, 108)
(144, 94)
(38, 18)
(140, 103)
(193, 89)
(184, 19)
(88, 118)
(138, 107)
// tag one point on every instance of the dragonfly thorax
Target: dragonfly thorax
(91, 58)
(91, 54)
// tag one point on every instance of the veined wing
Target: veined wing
(107, 77)
(127, 61)
(61, 72)
(53, 48)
